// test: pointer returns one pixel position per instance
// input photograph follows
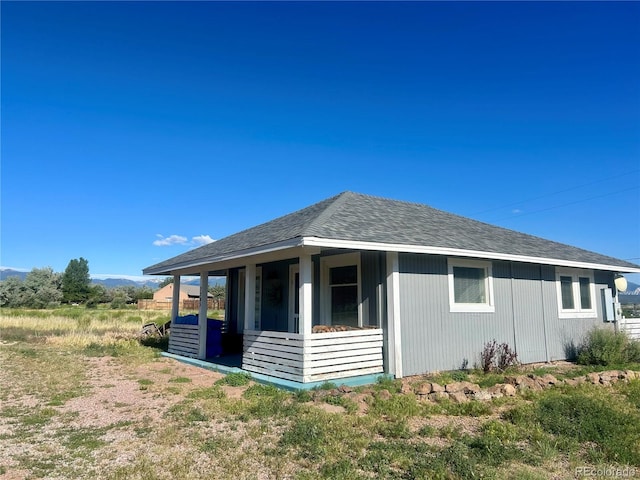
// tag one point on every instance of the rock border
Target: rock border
(461, 392)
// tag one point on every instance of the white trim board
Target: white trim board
(398, 247)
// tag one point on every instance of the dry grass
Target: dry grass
(81, 398)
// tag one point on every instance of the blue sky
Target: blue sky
(132, 132)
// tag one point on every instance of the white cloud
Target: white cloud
(170, 240)
(202, 240)
(197, 241)
(516, 211)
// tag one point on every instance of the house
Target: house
(187, 292)
(357, 285)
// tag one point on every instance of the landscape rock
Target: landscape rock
(435, 387)
(465, 387)
(384, 394)
(406, 389)
(549, 379)
(436, 396)
(593, 377)
(508, 390)
(423, 389)
(482, 395)
(458, 397)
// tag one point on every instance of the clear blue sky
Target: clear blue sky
(125, 124)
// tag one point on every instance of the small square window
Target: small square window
(470, 286)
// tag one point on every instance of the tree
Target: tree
(42, 288)
(165, 281)
(76, 282)
(218, 292)
(12, 292)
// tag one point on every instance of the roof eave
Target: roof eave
(214, 259)
(405, 248)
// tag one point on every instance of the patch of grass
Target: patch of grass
(397, 428)
(397, 406)
(207, 393)
(180, 380)
(586, 414)
(235, 379)
(388, 383)
(468, 409)
(145, 382)
(38, 417)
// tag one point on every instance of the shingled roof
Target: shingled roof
(353, 217)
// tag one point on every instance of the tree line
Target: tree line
(44, 288)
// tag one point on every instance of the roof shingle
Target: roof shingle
(356, 217)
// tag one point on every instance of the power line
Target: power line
(636, 187)
(558, 192)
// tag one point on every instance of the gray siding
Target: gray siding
(525, 317)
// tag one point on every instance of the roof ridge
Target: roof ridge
(327, 213)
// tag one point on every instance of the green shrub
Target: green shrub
(606, 347)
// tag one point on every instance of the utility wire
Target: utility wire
(636, 187)
(558, 192)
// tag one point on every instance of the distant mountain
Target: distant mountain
(151, 283)
(119, 281)
(125, 282)
(8, 272)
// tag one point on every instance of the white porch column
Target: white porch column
(393, 315)
(175, 301)
(305, 323)
(250, 297)
(202, 315)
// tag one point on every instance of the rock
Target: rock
(466, 387)
(345, 389)
(527, 383)
(549, 379)
(436, 396)
(508, 390)
(496, 390)
(436, 388)
(458, 397)
(384, 394)
(630, 374)
(593, 377)
(406, 389)
(482, 395)
(571, 382)
(423, 389)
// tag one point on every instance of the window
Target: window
(470, 286)
(575, 293)
(340, 279)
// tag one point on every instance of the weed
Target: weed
(207, 393)
(469, 409)
(397, 428)
(386, 382)
(397, 406)
(498, 357)
(606, 347)
(180, 380)
(235, 379)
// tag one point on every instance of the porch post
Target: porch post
(250, 297)
(393, 315)
(175, 301)
(305, 323)
(202, 315)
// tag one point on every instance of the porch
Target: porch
(308, 319)
(318, 357)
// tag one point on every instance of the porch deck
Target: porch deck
(231, 364)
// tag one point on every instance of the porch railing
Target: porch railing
(315, 357)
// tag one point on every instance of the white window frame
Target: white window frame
(577, 311)
(327, 263)
(489, 305)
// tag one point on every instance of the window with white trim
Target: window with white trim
(470, 286)
(576, 293)
(340, 283)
